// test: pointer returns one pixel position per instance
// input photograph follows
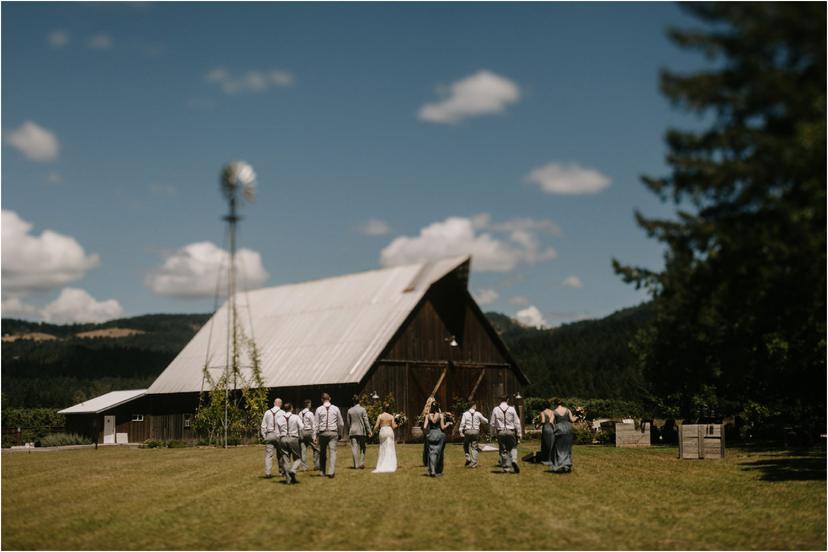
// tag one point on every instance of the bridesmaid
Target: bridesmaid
(434, 427)
(562, 457)
(547, 422)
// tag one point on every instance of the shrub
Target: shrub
(595, 408)
(583, 434)
(153, 443)
(180, 444)
(606, 436)
(64, 439)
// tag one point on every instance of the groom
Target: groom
(359, 430)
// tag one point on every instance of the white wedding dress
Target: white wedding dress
(387, 460)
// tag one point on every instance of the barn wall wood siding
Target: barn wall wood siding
(701, 441)
(629, 436)
(412, 364)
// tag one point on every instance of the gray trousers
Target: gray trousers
(507, 443)
(307, 443)
(327, 449)
(291, 456)
(471, 446)
(358, 443)
(272, 449)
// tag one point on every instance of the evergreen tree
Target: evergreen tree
(740, 303)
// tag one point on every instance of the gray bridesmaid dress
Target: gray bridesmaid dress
(547, 442)
(436, 439)
(562, 450)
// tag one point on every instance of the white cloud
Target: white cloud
(193, 271)
(14, 307)
(468, 236)
(39, 262)
(519, 300)
(252, 81)
(530, 316)
(374, 227)
(34, 141)
(461, 236)
(75, 305)
(573, 282)
(486, 296)
(99, 41)
(58, 39)
(568, 179)
(483, 93)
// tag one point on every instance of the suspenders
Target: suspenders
(328, 418)
(504, 416)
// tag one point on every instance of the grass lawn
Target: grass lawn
(120, 498)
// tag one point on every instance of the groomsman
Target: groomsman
(270, 435)
(329, 427)
(470, 431)
(359, 430)
(308, 432)
(506, 427)
(290, 427)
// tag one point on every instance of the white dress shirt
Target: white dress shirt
(471, 421)
(329, 418)
(290, 425)
(505, 418)
(308, 420)
(269, 421)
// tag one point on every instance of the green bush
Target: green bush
(153, 443)
(583, 434)
(64, 439)
(178, 444)
(595, 408)
(605, 436)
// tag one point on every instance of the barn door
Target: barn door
(109, 429)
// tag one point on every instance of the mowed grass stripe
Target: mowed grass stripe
(118, 498)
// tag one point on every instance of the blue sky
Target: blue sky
(427, 119)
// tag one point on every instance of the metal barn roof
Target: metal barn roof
(104, 402)
(327, 331)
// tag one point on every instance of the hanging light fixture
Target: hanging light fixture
(375, 396)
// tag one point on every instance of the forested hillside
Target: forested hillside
(588, 359)
(68, 369)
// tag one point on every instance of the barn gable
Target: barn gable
(323, 332)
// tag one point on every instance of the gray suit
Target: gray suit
(358, 429)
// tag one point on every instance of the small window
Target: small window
(188, 420)
(137, 417)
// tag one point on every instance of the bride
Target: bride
(387, 460)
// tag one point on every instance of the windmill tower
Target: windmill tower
(238, 185)
(238, 182)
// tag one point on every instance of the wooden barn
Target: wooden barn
(408, 330)
(115, 417)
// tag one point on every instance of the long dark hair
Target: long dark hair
(435, 407)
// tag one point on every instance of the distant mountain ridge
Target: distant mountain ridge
(588, 359)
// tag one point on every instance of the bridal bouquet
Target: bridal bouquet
(400, 419)
(536, 421)
(580, 413)
(448, 417)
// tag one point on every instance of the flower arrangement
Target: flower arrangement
(448, 417)
(400, 419)
(580, 413)
(420, 420)
(536, 421)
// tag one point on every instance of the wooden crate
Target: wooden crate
(628, 436)
(701, 441)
